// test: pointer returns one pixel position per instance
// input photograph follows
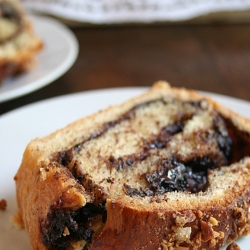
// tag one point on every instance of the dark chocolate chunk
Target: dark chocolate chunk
(77, 224)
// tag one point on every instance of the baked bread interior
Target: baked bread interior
(166, 170)
(18, 42)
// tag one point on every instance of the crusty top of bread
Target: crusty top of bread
(166, 170)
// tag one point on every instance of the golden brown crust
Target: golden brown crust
(174, 220)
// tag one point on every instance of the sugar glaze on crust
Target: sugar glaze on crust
(166, 170)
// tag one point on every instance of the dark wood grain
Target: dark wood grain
(208, 57)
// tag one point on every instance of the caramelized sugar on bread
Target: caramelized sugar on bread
(166, 170)
(18, 43)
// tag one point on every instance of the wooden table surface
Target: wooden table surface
(209, 57)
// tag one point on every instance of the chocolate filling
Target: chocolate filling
(63, 227)
(171, 174)
(157, 142)
(191, 176)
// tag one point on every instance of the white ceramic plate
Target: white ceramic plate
(20, 126)
(59, 53)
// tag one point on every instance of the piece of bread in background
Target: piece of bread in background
(18, 42)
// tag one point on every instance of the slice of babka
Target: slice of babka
(18, 42)
(169, 169)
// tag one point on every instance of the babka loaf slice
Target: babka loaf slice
(169, 169)
(18, 43)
